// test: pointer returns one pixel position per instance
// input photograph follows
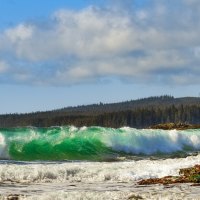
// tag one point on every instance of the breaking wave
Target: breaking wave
(94, 143)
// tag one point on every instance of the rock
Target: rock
(13, 197)
(187, 175)
(134, 197)
(177, 126)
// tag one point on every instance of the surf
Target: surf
(95, 143)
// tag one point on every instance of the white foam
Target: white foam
(90, 180)
(95, 172)
(83, 128)
(73, 129)
(3, 148)
(152, 141)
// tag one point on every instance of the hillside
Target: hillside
(139, 113)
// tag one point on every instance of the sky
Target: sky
(61, 53)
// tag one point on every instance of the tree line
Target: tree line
(140, 113)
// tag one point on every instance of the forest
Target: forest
(140, 113)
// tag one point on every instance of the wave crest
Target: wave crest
(93, 143)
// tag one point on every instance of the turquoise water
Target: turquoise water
(94, 143)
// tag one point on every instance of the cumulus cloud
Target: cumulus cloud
(158, 43)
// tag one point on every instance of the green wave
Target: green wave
(69, 149)
(58, 143)
(93, 143)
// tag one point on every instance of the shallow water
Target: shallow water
(94, 180)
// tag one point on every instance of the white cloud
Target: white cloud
(19, 33)
(159, 42)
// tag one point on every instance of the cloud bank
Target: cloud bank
(157, 42)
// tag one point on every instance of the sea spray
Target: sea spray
(94, 143)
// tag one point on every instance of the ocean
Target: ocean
(95, 162)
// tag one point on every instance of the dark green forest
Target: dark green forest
(140, 113)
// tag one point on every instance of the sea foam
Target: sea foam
(86, 172)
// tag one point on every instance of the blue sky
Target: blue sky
(63, 53)
(13, 11)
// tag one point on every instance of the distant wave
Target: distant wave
(94, 143)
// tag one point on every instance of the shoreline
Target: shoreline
(95, 180)
(186, 175)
